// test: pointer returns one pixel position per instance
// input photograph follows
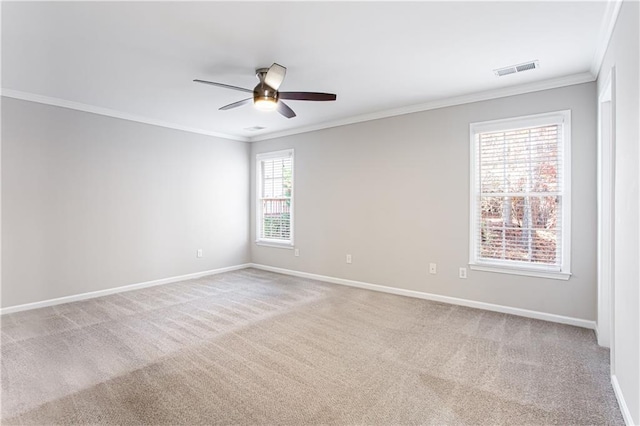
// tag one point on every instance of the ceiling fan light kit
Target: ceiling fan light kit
(265, 104)
(266, 96)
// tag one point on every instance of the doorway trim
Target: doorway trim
(606, 204)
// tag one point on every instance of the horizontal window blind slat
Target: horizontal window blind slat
(520, 194)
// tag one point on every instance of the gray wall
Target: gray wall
(394, 193)
(623, 53)
(91, 202)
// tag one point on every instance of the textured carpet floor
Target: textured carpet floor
(252, 347)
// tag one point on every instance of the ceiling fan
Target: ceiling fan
(266, 95)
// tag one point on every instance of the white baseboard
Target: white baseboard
(436, 297)
(92, 294)
(626, 414)
(375, 287)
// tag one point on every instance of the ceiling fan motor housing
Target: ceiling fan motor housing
(263, 92)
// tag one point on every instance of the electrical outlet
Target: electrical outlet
(199, 254)
(296, 252)
(348, 258)
(432, 268)
(463, 273)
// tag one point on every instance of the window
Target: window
(520, 195)
(274, 206)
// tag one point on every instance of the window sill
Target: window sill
(520, 271)
(275, 244)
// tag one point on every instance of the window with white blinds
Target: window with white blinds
(521, 198)
(274, 204)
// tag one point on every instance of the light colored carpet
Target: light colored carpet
(253, 347)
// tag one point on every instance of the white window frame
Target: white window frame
(513, 267)
(286, 244)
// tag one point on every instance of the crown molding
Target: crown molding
(604, 34)
(569, 80)
(32, 97)
(554, 83)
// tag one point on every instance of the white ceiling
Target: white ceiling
(139, 59)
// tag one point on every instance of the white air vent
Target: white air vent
(517, 68)
(254, 128)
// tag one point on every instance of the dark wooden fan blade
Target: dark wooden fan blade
(226, 86)
(307, 96)
(236, 104)
(285, 110)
